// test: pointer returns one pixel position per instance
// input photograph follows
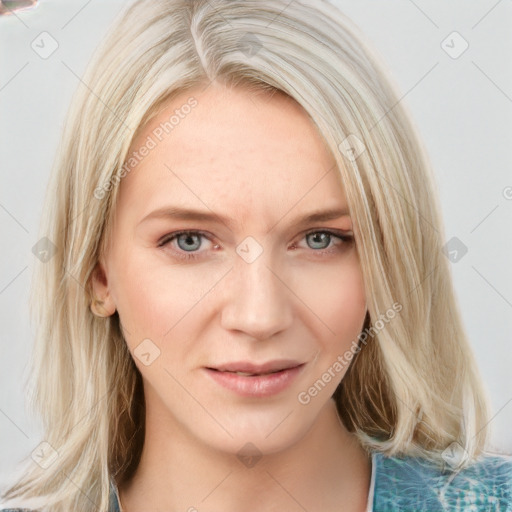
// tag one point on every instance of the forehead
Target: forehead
(231, 150)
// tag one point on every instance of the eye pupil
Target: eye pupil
(192, 242)
(319, 238)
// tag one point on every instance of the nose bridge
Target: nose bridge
(257, 302)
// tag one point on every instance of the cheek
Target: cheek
(338, 301)
(154, 296)
(335, 295)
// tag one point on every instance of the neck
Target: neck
(326, 470)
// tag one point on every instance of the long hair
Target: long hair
(412, 387)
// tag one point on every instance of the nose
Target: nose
(257, 301)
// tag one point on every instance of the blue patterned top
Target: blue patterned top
(412, 484)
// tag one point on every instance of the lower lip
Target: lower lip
(258, 385)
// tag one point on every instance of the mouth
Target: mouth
(246, 374)
(248, 369)
(256, 380)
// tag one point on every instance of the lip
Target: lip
(267, 379)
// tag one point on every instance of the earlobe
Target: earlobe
(102, 304)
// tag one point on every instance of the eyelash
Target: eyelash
(346, 239)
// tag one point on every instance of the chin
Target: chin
(258, 432)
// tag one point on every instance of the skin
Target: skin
(258, 160)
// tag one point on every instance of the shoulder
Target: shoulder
(414, 483)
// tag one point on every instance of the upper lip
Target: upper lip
(249, 367)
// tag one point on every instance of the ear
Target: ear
(104, 305)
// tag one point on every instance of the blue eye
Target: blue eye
(321, 242)
(188, 241)
(319, 237)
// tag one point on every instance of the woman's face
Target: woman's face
(267, 280)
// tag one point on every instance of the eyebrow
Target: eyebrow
(179, 213)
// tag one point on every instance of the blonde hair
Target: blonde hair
(413, 388)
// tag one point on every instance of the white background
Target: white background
(462, 106)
